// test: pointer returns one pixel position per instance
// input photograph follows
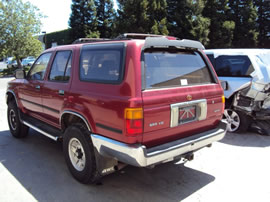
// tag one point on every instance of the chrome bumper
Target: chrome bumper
(138, 155)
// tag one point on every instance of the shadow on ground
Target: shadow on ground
(247, 139)
(38, 164)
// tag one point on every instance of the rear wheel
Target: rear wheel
(237, 120)
(79, 154)
(16, 128)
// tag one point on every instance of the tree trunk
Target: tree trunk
(19, 64)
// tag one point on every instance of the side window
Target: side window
(61, 66)
(102, 63)
(37, 72)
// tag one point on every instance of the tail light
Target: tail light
(134, 121)
(223, 103)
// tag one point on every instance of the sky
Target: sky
(57, 12)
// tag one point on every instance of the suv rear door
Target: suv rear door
(181, 95)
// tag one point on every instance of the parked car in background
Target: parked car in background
(27, 62)
(139, 100)
(245, 74)
(12, 63)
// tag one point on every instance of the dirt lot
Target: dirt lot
(234, 169)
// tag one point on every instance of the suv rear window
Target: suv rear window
(168, 68)
(102, 63)
(232, 65)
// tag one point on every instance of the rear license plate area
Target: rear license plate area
(187, 114)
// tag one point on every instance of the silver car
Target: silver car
(245, 75)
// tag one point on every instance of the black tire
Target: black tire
(78, 138)
(16, 127)
(237, 120)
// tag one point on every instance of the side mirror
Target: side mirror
(20, 74)
(224, 85)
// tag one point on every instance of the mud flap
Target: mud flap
(105, 165)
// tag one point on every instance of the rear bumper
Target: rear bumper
(138, 155)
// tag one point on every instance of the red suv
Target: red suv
(127, 101)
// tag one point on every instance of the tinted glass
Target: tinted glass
(37, 72)
(211, 58)
(233, 65)
(60, 70)
(165, 69)
(101, 63)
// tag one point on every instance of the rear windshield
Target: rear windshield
(165, 68)
(232, 65)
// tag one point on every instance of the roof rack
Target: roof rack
(137, 36)
(88, 40)
(125, 36)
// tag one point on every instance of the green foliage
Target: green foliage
(60, 37)
(216, 23)
(94, 34)
(105, 19)
(158, 17)
(8, 71)
(244, 14)
(142, 16)
(221, 28)
(83, 18)
(263, 22)
(20, 23)
(132, 16)
(186, 20)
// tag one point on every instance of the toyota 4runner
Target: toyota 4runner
(139, 102)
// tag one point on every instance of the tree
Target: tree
(132, 16)
(263, 22)
(158, 17)
(244, 14)
(221, 28)
(185, 20)
(83, 19)
(20, 25)
(105, 17)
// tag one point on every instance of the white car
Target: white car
(245, 74)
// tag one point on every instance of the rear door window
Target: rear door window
(165, 68)
(61, 67)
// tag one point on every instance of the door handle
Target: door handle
(61, 92)
(38, 87)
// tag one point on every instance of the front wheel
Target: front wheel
(237, 120)
(16, 128)
(79, 154)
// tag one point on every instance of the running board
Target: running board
(40, 131)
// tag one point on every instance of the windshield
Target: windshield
(168, 68)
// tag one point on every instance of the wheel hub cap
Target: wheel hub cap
(233, 120)
(12, 119)
(76, 154)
